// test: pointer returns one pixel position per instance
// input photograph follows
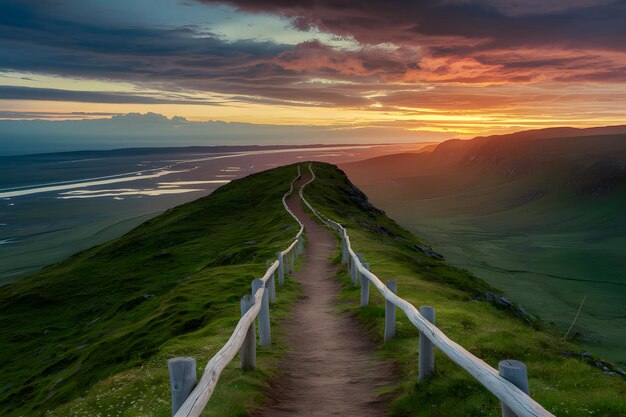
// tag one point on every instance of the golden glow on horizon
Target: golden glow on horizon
(476, 123)
(400, 68)
(470, 110)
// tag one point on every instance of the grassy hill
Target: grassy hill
(92, 334)
(561, 379)
(540, 215)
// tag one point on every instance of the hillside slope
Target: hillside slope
(112, 315)
(562, 379)
(91, 335)
(532, 213)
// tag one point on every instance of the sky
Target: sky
(397, 70)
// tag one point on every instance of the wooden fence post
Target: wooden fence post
(390, 314)
(300, 245)
(182, 380)
(344, 250)
(293, 260)
(281, 268)
(353, 271)
(365, 286)
(265, 338)
(248, 348)
(426, 348)
(514, 372)
(357, 274)
(271, 283)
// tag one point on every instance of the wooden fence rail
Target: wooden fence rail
(188, 398)
(509, 386)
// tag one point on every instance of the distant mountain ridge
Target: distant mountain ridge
(540, 214)
(584, 156)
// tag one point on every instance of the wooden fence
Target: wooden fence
(509, 384)
(188, 398)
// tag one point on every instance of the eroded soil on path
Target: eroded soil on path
(331, 369)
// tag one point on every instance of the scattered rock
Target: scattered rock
(428, 251)
(606, 367)
(498, 299)
(383, 229)
(504, 302)
(358, 199)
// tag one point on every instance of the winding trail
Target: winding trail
(330, 369)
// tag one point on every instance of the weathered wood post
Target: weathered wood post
(514, 372)
(353, 271)
(344, 250)
(300, 245)
(365, 286)
(357, 274)
(271, 283)
(293, 261)
(247, 352)
(427, 349)
(281, 268)
(348, 256)
(182, 380)
(265, 338)
(390, 314)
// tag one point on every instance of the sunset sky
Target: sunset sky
(423, 69)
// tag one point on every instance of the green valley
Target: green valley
(561, 379)
(542, 218)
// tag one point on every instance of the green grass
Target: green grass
(547, 254)
(91, 335)
(564, 385)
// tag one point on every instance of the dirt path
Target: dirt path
(330, 369)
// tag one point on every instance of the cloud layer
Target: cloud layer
(156, 130)
(413, 62)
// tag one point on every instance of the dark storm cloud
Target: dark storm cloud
(473, 41)
(179, 59)
(574, 24)
(51, 94)
(182, 57)
(400, 43)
